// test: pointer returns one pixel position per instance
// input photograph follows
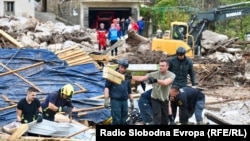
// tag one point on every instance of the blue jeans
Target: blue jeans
(119, 111)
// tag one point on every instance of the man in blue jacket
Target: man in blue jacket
(190, 101)
(119, 95)
(113, 37)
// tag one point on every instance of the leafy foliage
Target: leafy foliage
(163, 12)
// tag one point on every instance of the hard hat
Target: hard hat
(107, 121)
(123, 63)
(67, 90)
(180, 51)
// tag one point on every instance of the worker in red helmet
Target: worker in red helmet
(119, 95)
(58, 101)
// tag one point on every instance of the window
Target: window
(9, 6)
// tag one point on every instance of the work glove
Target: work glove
(39, 117)
(106, 102)
(65, 109)
(131, 105)
(152, 80)
(128, 77)
(171, 119)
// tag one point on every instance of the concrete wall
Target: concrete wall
(51, 5)
(22, 7)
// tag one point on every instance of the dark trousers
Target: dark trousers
(119, 111)
(112, 42)
(160, 112)
(145, 107)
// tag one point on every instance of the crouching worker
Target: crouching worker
(145, 107)
(190, 101)
(29, 108)
(59, 101)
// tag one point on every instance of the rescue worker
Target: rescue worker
(101, 37)
(119, 95)
(29, 108)
(182, 66)
(161, 81)
(58, 101)
(145, 107)
(190, 101)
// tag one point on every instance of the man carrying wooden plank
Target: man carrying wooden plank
(119, 95)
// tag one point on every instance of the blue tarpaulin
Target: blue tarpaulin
(49, 76)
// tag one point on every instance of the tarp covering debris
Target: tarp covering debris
(44, 70)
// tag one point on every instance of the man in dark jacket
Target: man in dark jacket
(58, 101)
(190, 101)
(181, 66)
(119, 95)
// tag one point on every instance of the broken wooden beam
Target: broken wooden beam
(20, 69)
(19, 131)
(11, 39)
(24, 79)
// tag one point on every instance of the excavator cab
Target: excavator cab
(176, 37)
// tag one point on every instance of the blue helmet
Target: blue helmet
(180, 51)
(123, 63)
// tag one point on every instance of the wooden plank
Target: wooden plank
(19, 131)
(113, 72)
(89, 60)
(78, 132)
(67, 49)
(112, 78)
(27, 81)
(11, 39)
(79, 59)
(100, 57)
(81, 87)
(77, 54)
(12, 71)
(89, 109)
(8, 107)
(70, 53)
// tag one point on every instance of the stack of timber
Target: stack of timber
(75, 56)
(112, 75)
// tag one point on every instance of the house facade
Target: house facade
(24, 8)
(88, 13)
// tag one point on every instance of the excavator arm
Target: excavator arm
(201, 21)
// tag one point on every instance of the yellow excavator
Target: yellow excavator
(189, 35)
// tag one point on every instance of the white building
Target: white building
(24, 8)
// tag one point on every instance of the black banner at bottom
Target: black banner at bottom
(187, 132)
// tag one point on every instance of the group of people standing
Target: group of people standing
(158, 106)
(117, 30)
